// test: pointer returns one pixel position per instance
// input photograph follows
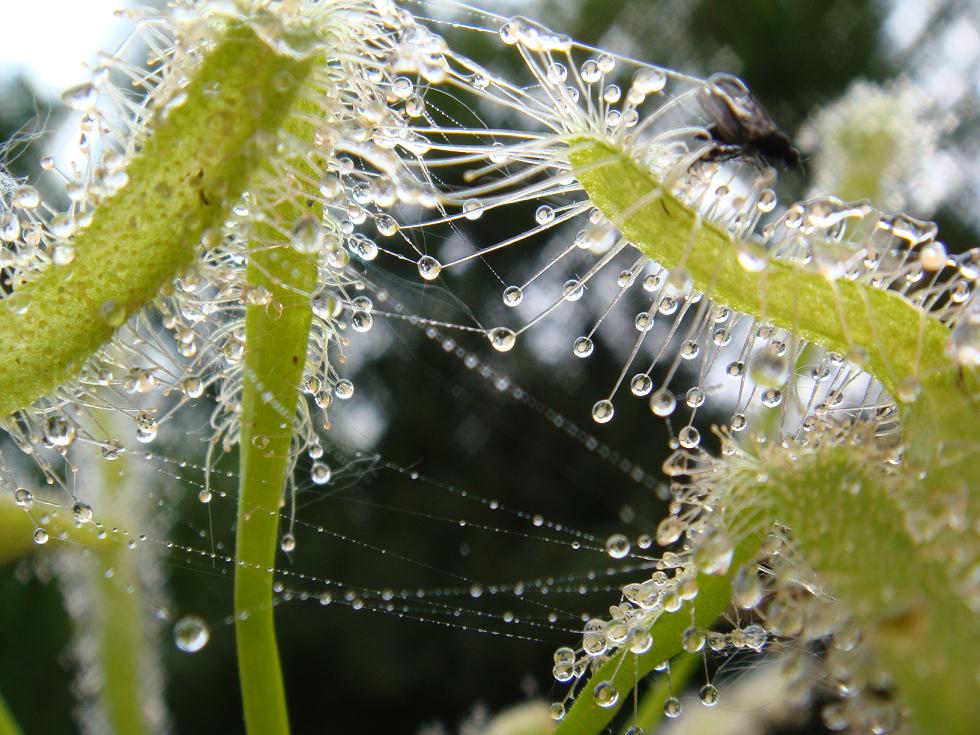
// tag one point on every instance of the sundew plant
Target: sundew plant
(277, 203)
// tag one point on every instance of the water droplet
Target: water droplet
(636, 730)
(58, 432)
(63, 253)
(112, 313)
(708, 695)
(472, 209)
(933, 256)
(307, 235)
(386, 224)
(544, 215)
(344, 389)
(572, 290)
(605, 694)
(40, 536)
(513, 295)
(361, 321)
(23, 497)
(583, 347)
(192, 386)
(191, 634)
(640, 640)
(146, 427)
(82, 97)
(650, 81)
(617, 546)
(429, 267)
(673, 708)
(9, 227)
(326, 305)
(556, 711)
(288, 542)
(602, 411)
(26, 197)
(669, 530)
(693, 639)
(641, 384)
(751, 256)
(502, 339)
(678, 283)
(768, 369)
(320, 473)
(662, 403)
(82, 511)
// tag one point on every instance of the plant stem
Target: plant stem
(275, 356)
(837, 315)
(182, 182)
(847, 518)
(8, 726)
(714, 595)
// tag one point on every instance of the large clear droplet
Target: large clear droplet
(502, 339)
(191, 634)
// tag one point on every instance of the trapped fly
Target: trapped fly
(740, 122)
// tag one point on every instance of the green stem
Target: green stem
(276, 342)
(182, 182)
(8, 725)
(848, 520)
(804, 302)
(714, 596)
(275, 356)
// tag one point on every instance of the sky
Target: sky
(49, 39)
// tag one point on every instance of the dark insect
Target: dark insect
(740, 123)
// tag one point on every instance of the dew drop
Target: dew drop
(82, 511)
(693, 639)
(768, 369)
(23, 497)
(320, 473)
(112, 313)
(472, 209)
(640, 640)
(82, 97)
(605, 694)
(146, 427)
(307, 235)
(708, 695)
(63, 253)
(513, 295)
(641, 384)
(662, 403)
(583, 347)
(617, 546)
(502, 339)
(678, 283)
(572, 290)
(288, 542)
(751, 257)
(429, 267)
(650, 81)
(386, 224)
(602, 411)
(933, 256)
(556, 711)
(26, 197)
(673, 708)
(40, 536)
(344, 390)
(544, 215)
(191, 634)
(58, 432)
